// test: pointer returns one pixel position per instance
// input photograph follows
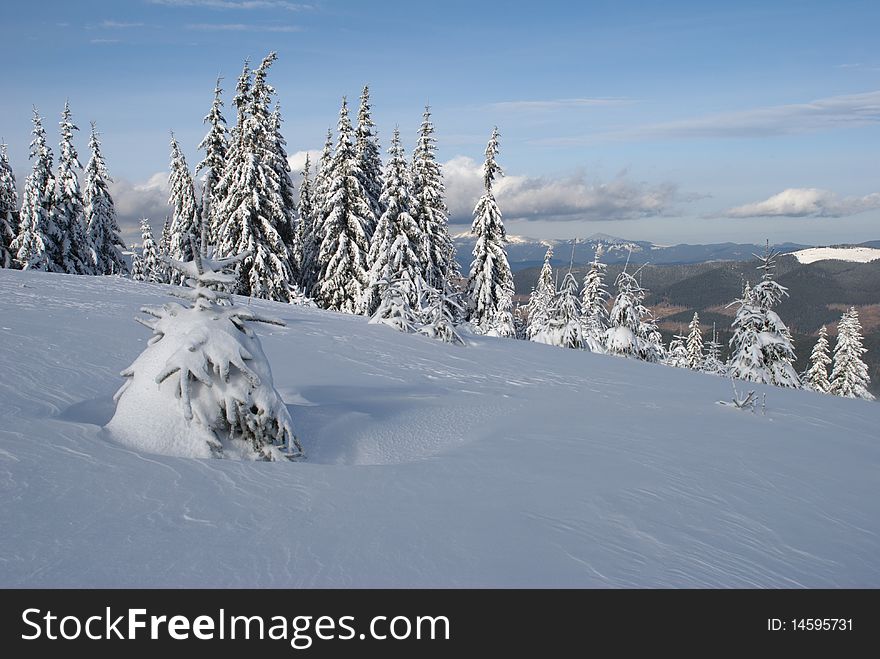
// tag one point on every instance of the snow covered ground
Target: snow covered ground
(503, 463)
(855, 254)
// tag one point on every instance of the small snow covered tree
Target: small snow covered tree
(152, 264)
(100, 214)
(761, 346)
(677, 355)
(440, 315)
(632, 332)
(8, 210)
(695, 345)
(75, 248)
(540, 301)
(395, 309)
(39, 241)
(137, 268)
(713, 363)
(342, 257)
(185, 216)
(490, 284)
(366, 147)
(564, 323)
(429, 209)
(816, 376)
(252, 218)
(203, 386)
(394, 251)
(849, 378)
(594, 318)
(214, 144)
(319, 212)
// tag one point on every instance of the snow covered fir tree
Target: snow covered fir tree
(342, 262)
(8, 210)
(39, 241)
(490, 284)
(206, 363)
(429, 209)
(540, 300)
(816, 377)
(632, 331)
(694, 345)
(185, 216)
(397, 240)
(214, 144)
(761, 346)
(252, 217)
(105, 242)
(151, 267)
(594, 312)
(69, 210)
(849, 378)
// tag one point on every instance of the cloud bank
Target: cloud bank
(573, 198)
(806, 202)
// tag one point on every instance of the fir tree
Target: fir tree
(713, 363)
(8, 210)
(564, 324)
(440, 314)
(289, 228)
(429, 209)
(100, 213)
(366, 147)
(849, 378)
(214, 144)
(395, 309)
(540, 300)
(816, 377)
(137, 268)
(39, 240)
(205, 362)
(152, 264)
(677, 354)
(306, 228)
(761, 346)
(631, 332)
(342, 257)
(319, 211)
(75, 250)
(594, 321)
(185, 215)
(252, 215)
(695, 345)
(394, 251)
(490, 285)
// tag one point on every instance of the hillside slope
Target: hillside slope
(503, 463)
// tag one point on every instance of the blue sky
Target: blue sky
(673, 122)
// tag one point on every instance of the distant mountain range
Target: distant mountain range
(526, 253)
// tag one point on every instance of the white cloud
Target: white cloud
(234, 4)
(134, 201)
(114, 25)
(566, 199)
(559, 104)
(806, 202)
(242, 27)
(815, 116)
(298, 160)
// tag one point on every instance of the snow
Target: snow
(499, 463)
(854, 254)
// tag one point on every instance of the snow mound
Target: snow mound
(854, 254)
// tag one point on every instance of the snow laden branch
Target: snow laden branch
(203, 386)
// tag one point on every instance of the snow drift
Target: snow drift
(500, 463)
